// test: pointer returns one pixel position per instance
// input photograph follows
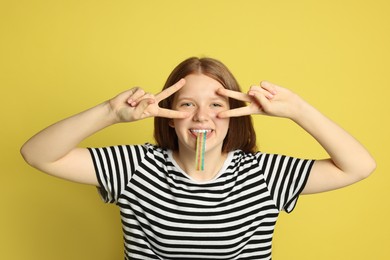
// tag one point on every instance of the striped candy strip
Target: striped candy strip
(200, 149)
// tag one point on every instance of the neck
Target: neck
(213, 162)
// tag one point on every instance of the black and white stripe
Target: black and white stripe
(167, 215)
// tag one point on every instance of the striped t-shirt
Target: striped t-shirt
(167, 215)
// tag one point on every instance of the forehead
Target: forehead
(199, 84)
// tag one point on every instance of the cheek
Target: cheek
(223, 123)
(213, 113)
(178, 123)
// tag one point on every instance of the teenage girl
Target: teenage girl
(170, 209)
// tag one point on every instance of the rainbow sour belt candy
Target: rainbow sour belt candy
(200, 149)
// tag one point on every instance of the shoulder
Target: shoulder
(259, 159)
(146, 149)
(154, 150)
(126, 151)
(155, 155)
(240, 157)
(243, 161)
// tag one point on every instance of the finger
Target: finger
(168, 113)
(234, 94)
(146, 95)
(268, 92)
(241, 111)
(270, 87)
(171, 90)
(143, 105)
(262, 100)
(136, 93)
(128, 114)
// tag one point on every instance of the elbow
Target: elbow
(373, 166)
(369, 168)
(27, 155)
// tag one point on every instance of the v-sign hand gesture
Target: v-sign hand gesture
(266, 99)
(136, 104)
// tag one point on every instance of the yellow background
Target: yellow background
(60, 57)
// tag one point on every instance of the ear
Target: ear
(171, 123)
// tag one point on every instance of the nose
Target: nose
(201, 115)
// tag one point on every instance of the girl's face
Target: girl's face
(199, 98)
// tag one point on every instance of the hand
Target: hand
(266, 99)
(136, 104)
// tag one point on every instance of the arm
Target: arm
(54, 150)
(349, 161)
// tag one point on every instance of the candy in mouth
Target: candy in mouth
(200, 149)
(200, 130)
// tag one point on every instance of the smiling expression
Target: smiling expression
(200, 99)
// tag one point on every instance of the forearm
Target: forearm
(57, 140)
(349, 161)
(344, 150)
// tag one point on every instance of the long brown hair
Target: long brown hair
(241, 134)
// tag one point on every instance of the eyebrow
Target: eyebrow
(217, 97)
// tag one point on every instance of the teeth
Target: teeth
(200, 130)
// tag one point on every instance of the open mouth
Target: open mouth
(200, 130)
(195, 132)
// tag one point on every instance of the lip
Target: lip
(194, 131)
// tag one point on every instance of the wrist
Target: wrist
(302, 111)
(109, 113)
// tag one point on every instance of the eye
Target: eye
(186, 104)
(217, 105)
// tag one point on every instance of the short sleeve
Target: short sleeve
(286, 177)
(114, 166)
